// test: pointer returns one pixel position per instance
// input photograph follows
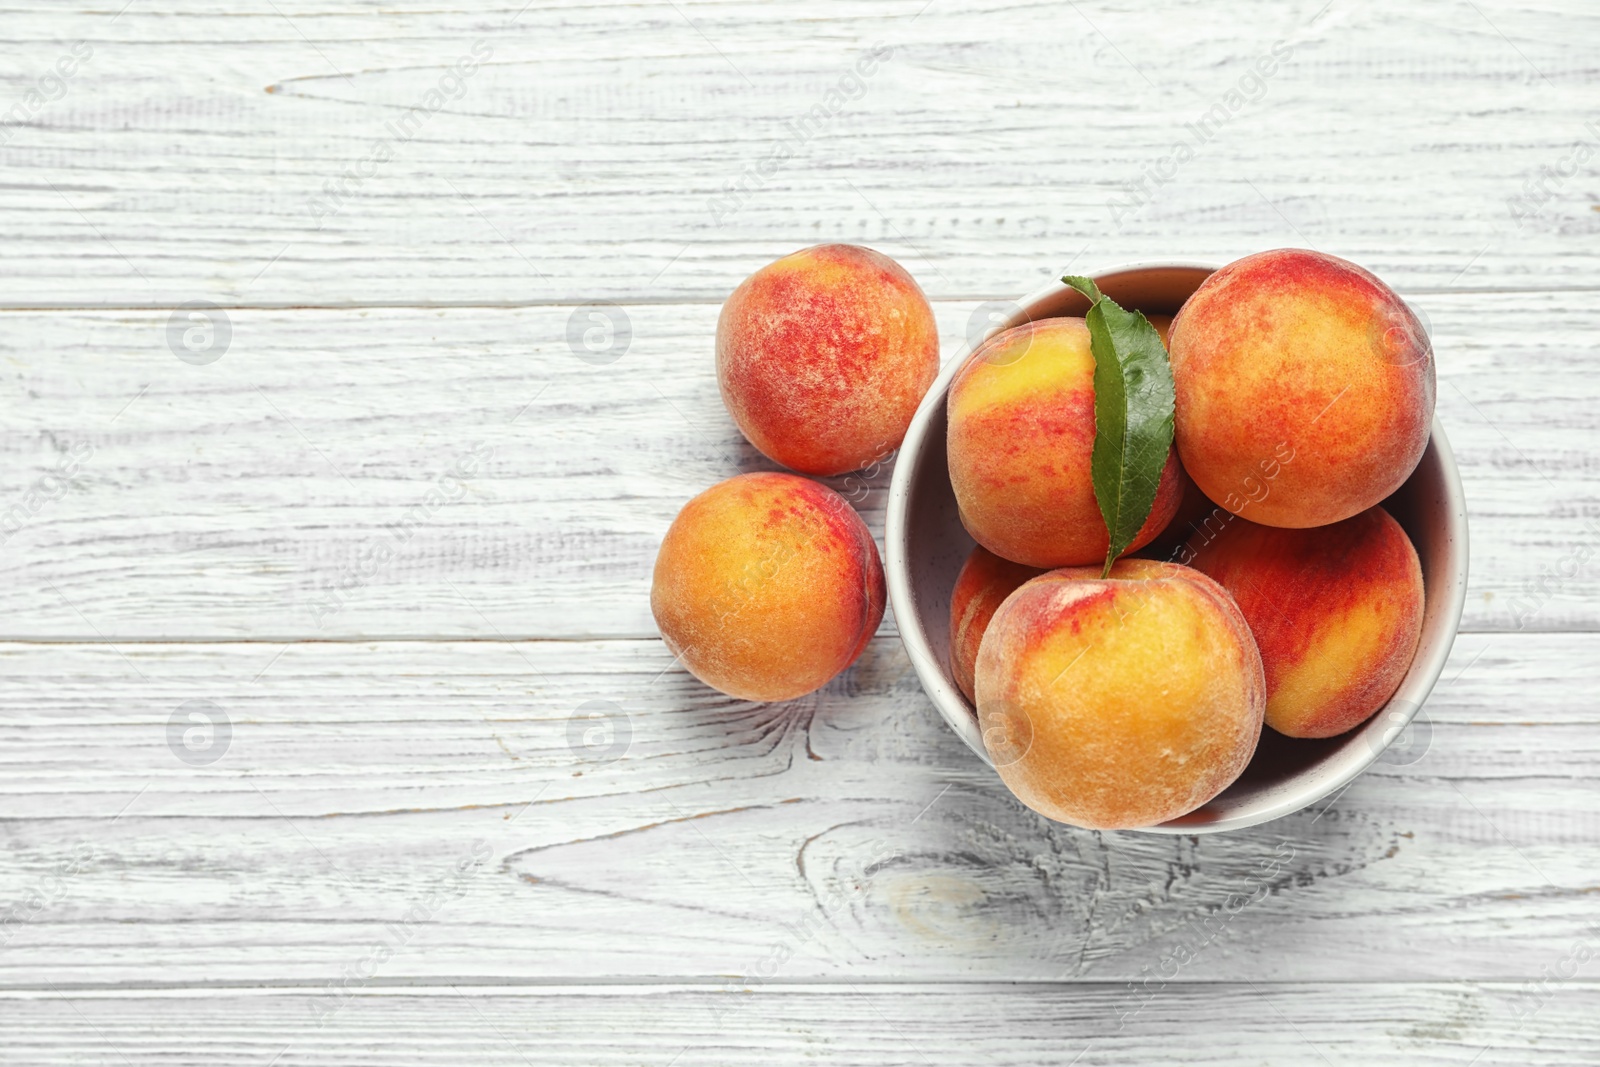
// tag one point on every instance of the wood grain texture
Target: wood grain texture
(396, 540)
(462, 473)
(454, 800)
(1464, 1024)
(201, 155)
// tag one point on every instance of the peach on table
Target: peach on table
(767, 585)
(824, 355)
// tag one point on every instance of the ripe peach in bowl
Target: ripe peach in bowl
(1121, 701)
(926, 546)
(1021, 435)
(1295, 352)
(1336, 611)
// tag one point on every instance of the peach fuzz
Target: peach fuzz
(1020, 438)
(1336, 611)
(1305, 388)
(984, 582)
(767, 585)
(824, 355)
(1119, 702)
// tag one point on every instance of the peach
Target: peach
(1020, 439)
(824, 355)
(984, 582)
(1305, 388)
(767, 585)
(1119, 702)
(1336, 611)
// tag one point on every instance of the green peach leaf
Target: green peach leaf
(1133, 405)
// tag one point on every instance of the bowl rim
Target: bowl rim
(952, 705)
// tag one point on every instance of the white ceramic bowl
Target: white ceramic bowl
(926, 546)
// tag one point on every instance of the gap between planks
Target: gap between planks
(522, 639)
(588, 986)
(691, 299)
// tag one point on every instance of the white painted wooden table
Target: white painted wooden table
(392, 533)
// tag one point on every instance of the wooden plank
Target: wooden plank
(279, 156)
(400, 467)
(1459, 1023)
(462, 473)
(460, 794)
